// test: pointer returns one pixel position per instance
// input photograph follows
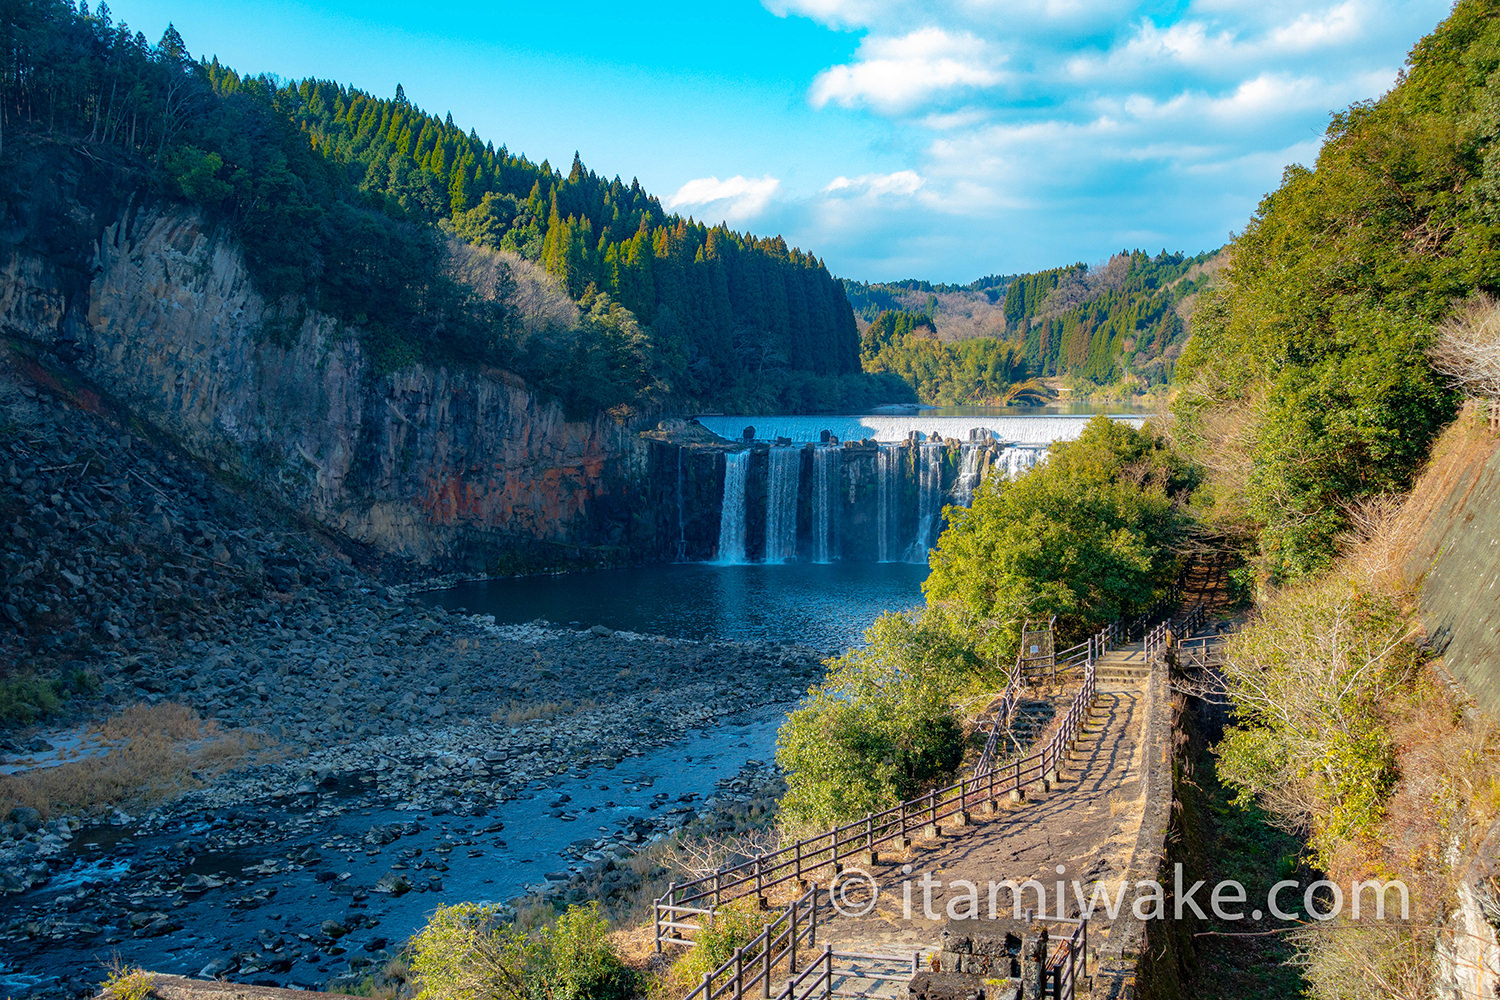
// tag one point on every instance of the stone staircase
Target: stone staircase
(1123, 665)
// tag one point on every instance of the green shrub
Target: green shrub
(462, 955)
(576, 961)
(880, 725)
(732, 926)
(1309, 681)
(1088, 537)
(26, 699)
(128, 983)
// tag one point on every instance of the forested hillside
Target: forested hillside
(1307, 387)
(1120, 325)
(347, 203)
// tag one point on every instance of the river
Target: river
(826, 606)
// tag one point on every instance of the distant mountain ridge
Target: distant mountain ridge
(1120, 322)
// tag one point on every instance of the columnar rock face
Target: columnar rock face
(437, 468)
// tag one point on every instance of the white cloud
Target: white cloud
(1335, 26)
(735, 199)
(902, 183)
(950, 120)
(834, 13)
(1043, 131)
(894, 75)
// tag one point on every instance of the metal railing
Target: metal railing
(1002, 712)
(754, 962)
(684, 901)
(825, 977)
(1068, 963)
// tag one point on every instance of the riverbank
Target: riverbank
(373, 757)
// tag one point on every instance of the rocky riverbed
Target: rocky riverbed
(405, 756)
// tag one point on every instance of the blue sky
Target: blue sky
(939, 140)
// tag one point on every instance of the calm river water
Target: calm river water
(824, 606)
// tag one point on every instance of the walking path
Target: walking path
(1088, 823)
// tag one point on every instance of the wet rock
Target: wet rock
(393, 883)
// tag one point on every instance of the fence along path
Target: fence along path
(683, 904)
(867, 973)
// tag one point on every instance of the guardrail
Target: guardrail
(823, 978)
(1068, 963)
(701, 896)
(1003, 712)
(753, 963)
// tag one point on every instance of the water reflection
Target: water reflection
(824, 606)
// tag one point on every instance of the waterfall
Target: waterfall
(732, 510)
(968, 476)
(681, 532)
(1013, 461)
(781, 503)
(930, 484)
(826, 462)
(885, 469)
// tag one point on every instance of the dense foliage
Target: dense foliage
(1307, 379)
(984, 371)
(463, 955)
(1116, 325)
(880, 724)
(343, 202)
(1309, 680)
(1124, 325)
(1089, 537)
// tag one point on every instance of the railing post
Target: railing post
(791, 941)
(656, 923)
(812, 926)
(797, 857)
(707, 986)
(718, 879)
(739, 972)
(765, 979)
(760, 890)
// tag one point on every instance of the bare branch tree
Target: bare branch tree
(1467, 349)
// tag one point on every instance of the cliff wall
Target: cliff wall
(435, 468)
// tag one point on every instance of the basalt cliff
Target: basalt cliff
(433, 468)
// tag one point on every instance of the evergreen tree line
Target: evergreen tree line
(1097, 325)
(1120, 330)
(344, 202)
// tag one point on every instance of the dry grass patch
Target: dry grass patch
(516, 713)
(153, 752)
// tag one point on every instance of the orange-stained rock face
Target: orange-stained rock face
(440, 468)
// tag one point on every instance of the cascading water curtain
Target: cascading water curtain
(968, 476)
(826, 463)
(1016, 461)
(885, 471)
(732, 509)
(930, 483)
(781, 503)
(681, 529)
